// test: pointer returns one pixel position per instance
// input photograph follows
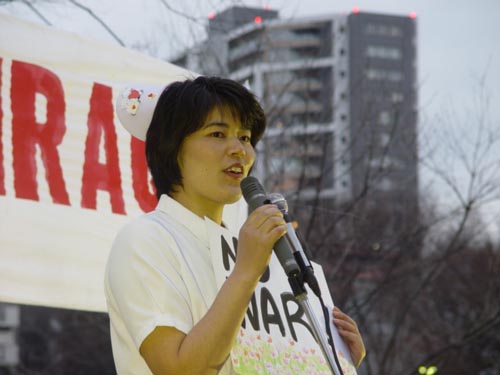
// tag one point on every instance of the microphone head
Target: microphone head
(253, 192)
(280, 201)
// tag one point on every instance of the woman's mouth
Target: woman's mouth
(234, 171)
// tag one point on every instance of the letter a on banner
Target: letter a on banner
(96, 175)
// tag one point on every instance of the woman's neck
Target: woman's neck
(201, 209)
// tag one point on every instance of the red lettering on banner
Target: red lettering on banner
(98, 175)
(27, 81)
(2, 171)
(142, 192)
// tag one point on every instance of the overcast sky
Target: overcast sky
(458, 40)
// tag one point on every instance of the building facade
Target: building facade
(341, 99)
(9, 350)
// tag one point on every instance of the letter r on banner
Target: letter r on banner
(27, 81)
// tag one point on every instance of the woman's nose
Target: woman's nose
(237, 147)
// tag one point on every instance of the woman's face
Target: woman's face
(213, 160)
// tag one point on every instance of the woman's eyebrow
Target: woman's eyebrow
(222, 124)
(216, 123)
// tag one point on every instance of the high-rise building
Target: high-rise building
(340, 95)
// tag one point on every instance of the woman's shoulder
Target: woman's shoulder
(150, 224)
(146, 234)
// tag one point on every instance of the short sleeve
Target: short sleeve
(143, 282)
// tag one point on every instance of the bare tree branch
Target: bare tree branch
(98, 19)
(40, 15)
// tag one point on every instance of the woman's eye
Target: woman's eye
(245, 138)
(217, 134)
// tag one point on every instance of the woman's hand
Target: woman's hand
(263, 227)
(348, 330)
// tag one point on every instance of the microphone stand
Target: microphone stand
(300, 295)
(303, 272)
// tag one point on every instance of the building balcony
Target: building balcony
(296, 85)
(295, 41)
(247, 49)
(298, 108)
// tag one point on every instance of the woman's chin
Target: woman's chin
(233, 198)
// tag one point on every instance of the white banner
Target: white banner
(276, 336)
(70, 175)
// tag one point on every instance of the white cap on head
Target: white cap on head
(135, 107)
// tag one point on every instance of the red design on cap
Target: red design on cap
(134, 94)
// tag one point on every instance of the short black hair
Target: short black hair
(182, 109)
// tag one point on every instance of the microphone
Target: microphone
(280, 201)
(297, 248)
(256, 196)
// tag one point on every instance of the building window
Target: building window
(383, 30)
(385, 184)
(383, 52)
(386, 75)
(385, 140)
(397, 97)
(385, 118)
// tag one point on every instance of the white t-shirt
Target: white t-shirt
(159, 273)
